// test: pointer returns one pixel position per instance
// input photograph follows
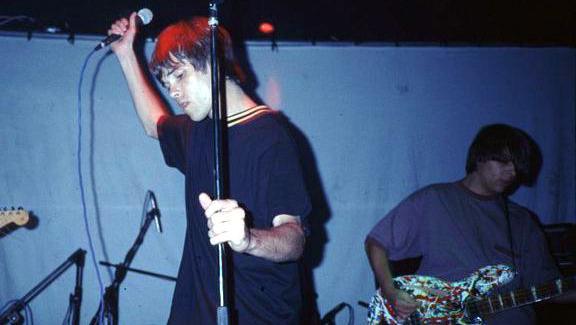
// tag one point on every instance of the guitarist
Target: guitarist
(457, 228)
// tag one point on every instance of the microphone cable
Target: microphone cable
(81, 185)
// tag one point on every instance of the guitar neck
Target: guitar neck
(521, 297)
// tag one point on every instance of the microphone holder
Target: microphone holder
(222, 313)
(12, 314)
(109, 313)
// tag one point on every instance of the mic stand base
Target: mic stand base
(12, 313)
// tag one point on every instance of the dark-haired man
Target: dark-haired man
(264, 222)
(458, 228)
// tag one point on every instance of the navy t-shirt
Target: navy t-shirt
(265, 177)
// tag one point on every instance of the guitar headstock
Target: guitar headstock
(18, 216)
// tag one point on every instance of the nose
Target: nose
(511, 169)
(174, 91)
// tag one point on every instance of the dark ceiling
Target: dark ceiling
(483, 22)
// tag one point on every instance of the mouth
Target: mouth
(183, 105)
(508, 182)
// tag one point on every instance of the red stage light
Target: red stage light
(266, 28)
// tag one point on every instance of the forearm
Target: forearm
(282, 243)
(380, 266)
(147, 101)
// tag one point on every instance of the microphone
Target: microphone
(155, 211)
(144, 17)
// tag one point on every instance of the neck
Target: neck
(475, 185)
(236, 99)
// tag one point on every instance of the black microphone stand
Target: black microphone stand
(12, 314)
(111, 294)
(222, 310)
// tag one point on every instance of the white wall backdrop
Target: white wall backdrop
(375, 123)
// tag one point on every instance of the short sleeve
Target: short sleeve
(538, 264)
(399, 231)
(173, 134)
(286, 190)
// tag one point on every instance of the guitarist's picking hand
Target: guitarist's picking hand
(403, 304)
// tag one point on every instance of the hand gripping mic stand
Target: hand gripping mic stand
(12, 314)
(111, 294)
(222, 310)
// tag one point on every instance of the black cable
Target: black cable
(504, 200)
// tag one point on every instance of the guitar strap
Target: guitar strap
(504, 200)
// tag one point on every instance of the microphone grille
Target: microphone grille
(145, 15)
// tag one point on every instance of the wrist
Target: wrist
(389, 293)
(248, 240)
(245, 245)
(126, 56)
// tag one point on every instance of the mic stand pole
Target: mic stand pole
(222, 310)
(12, 314)
(76, 297)
(111, 294)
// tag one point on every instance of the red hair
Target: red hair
(189, 41)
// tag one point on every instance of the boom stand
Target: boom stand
(12, 314)
(110, 312)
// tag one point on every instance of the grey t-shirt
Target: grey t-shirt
(456, 232)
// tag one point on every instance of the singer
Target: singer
(265, 220)
(460, 227)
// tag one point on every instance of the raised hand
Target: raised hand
(127, 28)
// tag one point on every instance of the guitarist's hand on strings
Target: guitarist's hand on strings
(404, 305)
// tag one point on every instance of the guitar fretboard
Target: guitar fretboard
(500, 302)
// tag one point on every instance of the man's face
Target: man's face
(190, 89)
(495, 177)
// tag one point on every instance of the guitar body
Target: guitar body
(441, 302)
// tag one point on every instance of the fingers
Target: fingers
(404, 305)
(225, 219)
(205, 200)
(119, 27)
(125, 27)
(229, 227)
(133, 18)
(214, 206)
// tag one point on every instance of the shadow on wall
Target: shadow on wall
(320, 213)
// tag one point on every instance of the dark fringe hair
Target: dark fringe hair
(506, 143)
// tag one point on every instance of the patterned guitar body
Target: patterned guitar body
(441, 302)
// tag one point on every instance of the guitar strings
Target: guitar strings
(521, 297)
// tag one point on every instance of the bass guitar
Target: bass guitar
(462, 302)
